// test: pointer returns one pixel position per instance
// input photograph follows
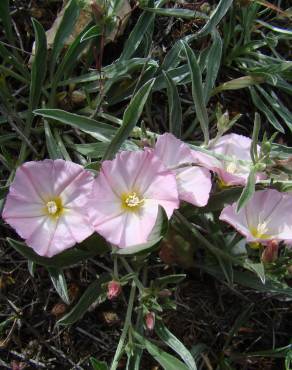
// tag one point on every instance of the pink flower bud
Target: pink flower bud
(113, 289)
(150, 321)
(270, 253)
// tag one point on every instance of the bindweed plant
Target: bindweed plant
(87, 172)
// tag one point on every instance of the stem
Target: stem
(119, 349)
(116, 271)
(131, 271)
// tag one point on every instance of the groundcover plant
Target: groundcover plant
(145, 185)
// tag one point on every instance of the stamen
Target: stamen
(231, 167)
(260, 231)
(52, 207)
(132, 201)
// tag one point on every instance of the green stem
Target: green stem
(116, 270)
(131, 271)
(119, 349)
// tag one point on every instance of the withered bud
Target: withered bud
(114, 289)
(150, 320)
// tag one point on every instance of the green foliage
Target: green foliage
(87, 106)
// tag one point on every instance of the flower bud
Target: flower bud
(270, 253)
(266, 147)
(150, 320)
(113, 289)
(260, 167)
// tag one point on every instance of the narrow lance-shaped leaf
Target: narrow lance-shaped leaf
(6, 20)
(91, 294)
(38, 73)
(167, 361)
(248, 190)
(197, 91)
(52, 147)
(213, 64)
(59, 282)
(64, 30)
(130, 119)
(92, 32)
(215, 18)
(255, 138)
(260, 104)
(177, 12)
(169, 339)
(99, 130)
(98, 365)
(175, 111)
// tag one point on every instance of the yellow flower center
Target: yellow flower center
(260, 231)
(132, 201)
(54, 207)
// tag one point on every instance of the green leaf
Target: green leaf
(63, 32)
(14, 60)
(257, 268)
(213, 62)
(163, 281)
(31, 267)
(158, 232)
(98, 365)
(93, 31)
(169, 339)
(197, 91)
(91, 247)
(255, 137)
(283, 31)
(67, 63)
(53, 149)
(135, 38)
(59, 282)
(92, 293)
(177, 12)
(6, 20)
(167, 361)
(99, 130)
(215, 17)
(238, 83)
(249, 280)
(3, 191)
(174, 104)
(248, 190)
(38, 70)
(219, 200)
(38, 74)
(260, 104)
(130, 119)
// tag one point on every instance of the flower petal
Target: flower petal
(194, 185)
(172, 151)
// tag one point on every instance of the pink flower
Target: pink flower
(114, 289)
(47, 205)
(267, 216)
(235, 170)
(194, 183)
(126, 196)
